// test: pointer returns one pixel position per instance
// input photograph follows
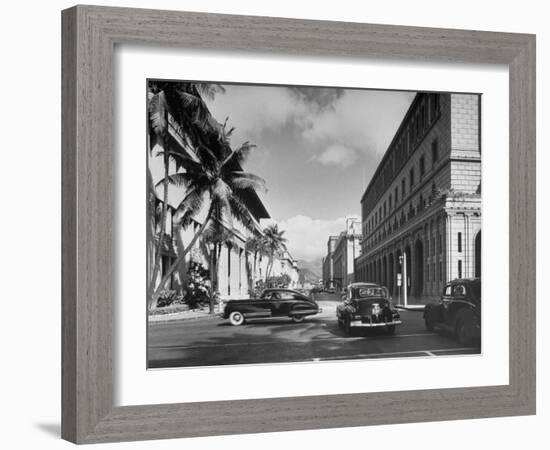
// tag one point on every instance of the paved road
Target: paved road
(213, 341)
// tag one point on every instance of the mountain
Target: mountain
(310, 271)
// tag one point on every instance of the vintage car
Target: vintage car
(458, 311)
(367, 305)
(276, 302)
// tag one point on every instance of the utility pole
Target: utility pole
(405, 278)
(404, 281)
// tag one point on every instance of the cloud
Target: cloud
(337, 126)
(361, 119)
(255, 109)
(337, 155)
(307, 237)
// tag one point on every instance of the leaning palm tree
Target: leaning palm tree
(275, 243)
(215, 182)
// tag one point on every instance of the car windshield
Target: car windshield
(372, 291)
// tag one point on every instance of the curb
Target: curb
(178, 316)
(415, 308)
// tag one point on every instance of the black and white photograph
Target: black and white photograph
(292, 224)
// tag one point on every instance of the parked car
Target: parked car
(458, 311)
(367, 306)
(276, 302)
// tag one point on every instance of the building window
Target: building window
(411, 177)
(384, 208)
(422, 166)
(396, 195)
(440, 271)
(403, 188)
(459, 242)
(459, 268)
(440, 247)
(421, 202)
(390, 202)
(435, 152)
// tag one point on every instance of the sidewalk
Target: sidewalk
(415, 303)
(181, 313)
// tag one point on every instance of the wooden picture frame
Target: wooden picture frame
(89, 37)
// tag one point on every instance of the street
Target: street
(214, 341)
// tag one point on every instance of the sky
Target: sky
(317, 149)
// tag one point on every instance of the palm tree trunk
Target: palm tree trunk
(268, 270)
(180, 258)
(212, 271)
(156, 269)
(254, 272)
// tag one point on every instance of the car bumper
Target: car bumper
(358, 323)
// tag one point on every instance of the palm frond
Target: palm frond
(246, 180)
(178, 179)
(189, 100)
(190, 206)
(157, 113)
(238, 155)
(209, 90)
(240, 211)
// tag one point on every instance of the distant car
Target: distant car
(367, 305)
(458, 311)
(276, 302)
(331, 290)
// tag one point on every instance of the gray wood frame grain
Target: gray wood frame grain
(89, 36)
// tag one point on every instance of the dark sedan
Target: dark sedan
(367, 305)
(275, 302)
(458, 311)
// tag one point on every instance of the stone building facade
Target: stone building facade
(328, 265)
(423, 202)
(346, 248)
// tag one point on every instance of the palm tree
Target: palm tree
(216, 236)
(255, 245)
(219, 181)
(274, 244)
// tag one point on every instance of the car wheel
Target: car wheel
(461, 332)
(236, 318)
(298, 318)
(429, 322)
(347, 327)
(390, 329)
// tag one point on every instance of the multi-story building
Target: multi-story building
(328, 266)
(423, 202)
(346, 248)
(285, 264)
